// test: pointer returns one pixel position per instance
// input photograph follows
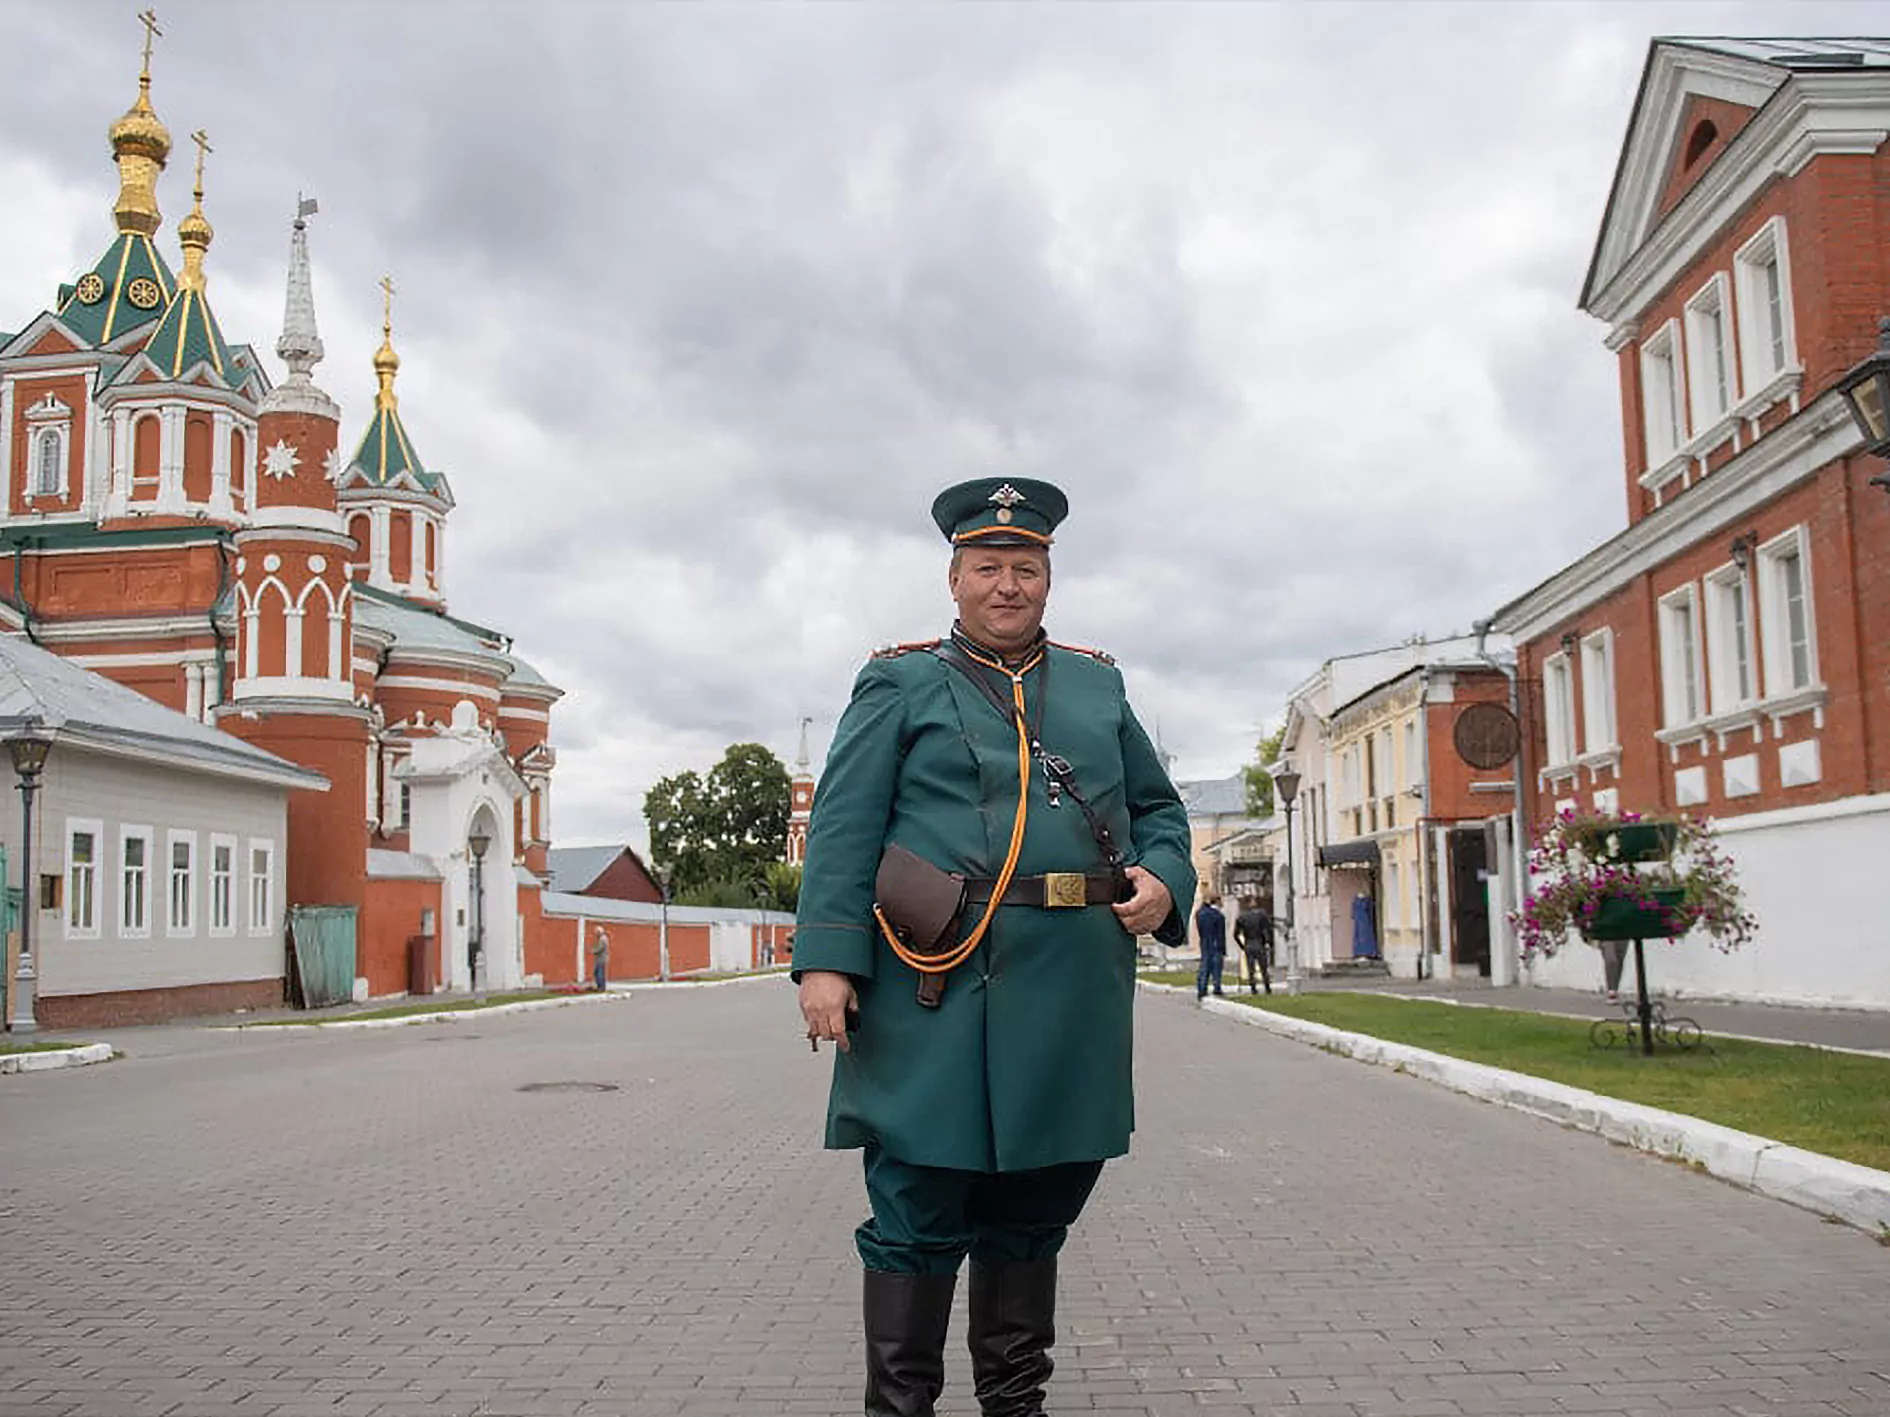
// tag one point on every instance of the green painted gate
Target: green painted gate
(322, 937)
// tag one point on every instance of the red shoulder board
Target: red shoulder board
(1095, 654)
(910, 647)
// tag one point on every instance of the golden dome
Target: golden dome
(195, 229)
(140, 132)
(386, 362)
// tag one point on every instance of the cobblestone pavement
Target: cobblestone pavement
(382, 1224)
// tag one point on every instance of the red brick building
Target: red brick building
(180, 524)
(1727, 652)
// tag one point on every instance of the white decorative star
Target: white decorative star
(280, 460)
(332, 465)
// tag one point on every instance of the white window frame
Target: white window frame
(180, 923)
(1729, 641)
(1775, 614)
(55, 437)
(91, 895)
(1682, 671)
(1709, 318)
(259, 889)
(1599, 731)
(139, 928)
(1558, 708)
(1767, 249)
(1663, 394)
(226, 925)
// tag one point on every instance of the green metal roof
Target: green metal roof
(189, 336)
(129, 259)
(386, 452)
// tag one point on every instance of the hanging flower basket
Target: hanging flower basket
(1654, 914)
(1625, 877)
(1629, 843)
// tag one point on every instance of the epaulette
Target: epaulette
(1098, 655)
(910, 647)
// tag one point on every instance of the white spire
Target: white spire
(802, 761)
(300, 346)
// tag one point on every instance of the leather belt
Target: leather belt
(1056, 890)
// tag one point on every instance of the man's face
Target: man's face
(1001, 592)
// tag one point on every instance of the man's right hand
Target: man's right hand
(826, 998)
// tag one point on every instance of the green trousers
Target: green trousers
(926, 1219)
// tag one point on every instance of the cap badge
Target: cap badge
(1006, 497)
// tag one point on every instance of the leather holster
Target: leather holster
(923, 904)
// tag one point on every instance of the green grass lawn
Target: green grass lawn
(1837, 1104)
(460, 1004)
(37, 1047)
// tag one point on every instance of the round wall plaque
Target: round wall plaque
(1486, 736)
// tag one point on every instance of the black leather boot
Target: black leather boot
(1013, 1324)
(905, 1315)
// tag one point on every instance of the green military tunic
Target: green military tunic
(1026, 1062)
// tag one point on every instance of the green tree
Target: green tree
(783, 887)
(1259, 773)
(725, 827)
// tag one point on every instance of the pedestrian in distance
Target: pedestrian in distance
(1210, 929)
(1253, 932)
(600, 959)
(991, 832)
(1613, 957)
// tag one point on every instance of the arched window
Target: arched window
(1701, 139)
(361, 529)
(146, 440)
(239, 465)
(400, 547)
(197, 437)
(49, 464)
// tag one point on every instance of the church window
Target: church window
(239, 465)
(361, 529)
(197, 437)
(146, 445)
(400, 547)
(49, 463)
(433, 564)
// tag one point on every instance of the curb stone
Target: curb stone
(1857, 1195)
(76, 1057)
(616, 991)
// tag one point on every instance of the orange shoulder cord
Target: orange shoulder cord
(959, 953)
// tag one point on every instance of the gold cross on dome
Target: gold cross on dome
(387, 302)
(151, 31)
(202, 140)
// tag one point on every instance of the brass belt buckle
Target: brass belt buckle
(1064, 889)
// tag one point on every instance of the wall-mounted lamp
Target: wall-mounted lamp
(1569, 640)
(1742, 548)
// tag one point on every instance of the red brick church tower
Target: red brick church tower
(293, 692)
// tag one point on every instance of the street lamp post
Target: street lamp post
(28, 749)
(478, 842)
(662, 928)
(1286, 784)
(1866, 391)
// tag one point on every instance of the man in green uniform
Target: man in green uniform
(992, 830)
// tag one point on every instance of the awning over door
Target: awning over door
(1350, 853)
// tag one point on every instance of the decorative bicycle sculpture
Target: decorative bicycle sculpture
(1625, 878)
(1669, 1030)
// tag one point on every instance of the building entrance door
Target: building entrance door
(1470, 900)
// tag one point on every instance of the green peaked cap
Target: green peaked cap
(1000, 511)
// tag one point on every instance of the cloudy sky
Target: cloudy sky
(701, 304)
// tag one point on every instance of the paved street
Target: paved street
(375, 1222)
